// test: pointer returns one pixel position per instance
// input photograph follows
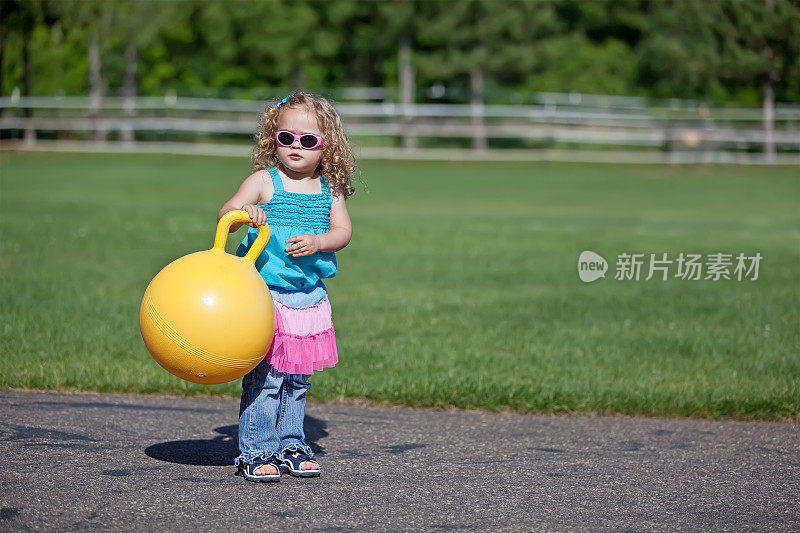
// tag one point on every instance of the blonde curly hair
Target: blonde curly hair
(337, 164)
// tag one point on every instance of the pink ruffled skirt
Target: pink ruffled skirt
(304, 339)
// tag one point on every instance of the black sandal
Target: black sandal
(248, 470)
(293, 464)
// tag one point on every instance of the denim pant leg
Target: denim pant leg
(258, 414)
(293, 411)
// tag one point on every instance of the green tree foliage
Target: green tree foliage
(719, 50)
(595, 51)
(24, 35)
(722, 50)
(375, 32)
(576, 64)
(761, 43)
(506, 44)
(245, 45)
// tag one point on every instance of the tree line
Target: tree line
(744, 52)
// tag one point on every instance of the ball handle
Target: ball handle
(224, 226)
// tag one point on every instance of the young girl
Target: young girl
(303, 166)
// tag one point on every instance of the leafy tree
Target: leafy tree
(473, 39)
(594, 50)
(679, 53)
(95, 18)
(717, 49)
(746, 50)
(135, 24)
(22, 17)
(761, 45)
(244, 45)
(576, 64)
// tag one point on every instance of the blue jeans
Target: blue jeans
(271, 414)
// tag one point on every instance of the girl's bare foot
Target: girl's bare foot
(266, 470)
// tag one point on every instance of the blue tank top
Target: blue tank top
(295, 281)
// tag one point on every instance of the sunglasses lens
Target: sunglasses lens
(308, 141)
(286, 138)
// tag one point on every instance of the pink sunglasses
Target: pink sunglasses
(307, 140)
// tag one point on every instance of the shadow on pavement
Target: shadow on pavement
(223, 449)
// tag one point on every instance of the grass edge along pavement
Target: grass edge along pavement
(504, 325)
(792, 419)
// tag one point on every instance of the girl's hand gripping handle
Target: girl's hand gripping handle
(232, 217)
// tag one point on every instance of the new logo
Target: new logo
(591, 266)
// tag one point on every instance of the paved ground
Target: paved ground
(90, 461)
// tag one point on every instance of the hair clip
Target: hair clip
(284, 100)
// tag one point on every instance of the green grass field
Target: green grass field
(459, 288)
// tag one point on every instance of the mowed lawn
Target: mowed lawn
(459, 288)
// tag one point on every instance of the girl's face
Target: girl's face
(299, 120)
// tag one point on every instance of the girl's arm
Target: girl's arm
(334, 240)
(341, 228)
(246, 198)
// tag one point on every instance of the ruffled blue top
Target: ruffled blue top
(294, 281)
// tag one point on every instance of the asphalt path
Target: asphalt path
(151, 463)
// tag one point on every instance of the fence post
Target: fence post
(96, 88)
(129, 102)
(479, 142)
(27, 103)
(406, 75)
(769, 123)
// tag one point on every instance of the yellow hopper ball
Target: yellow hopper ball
(208, 317)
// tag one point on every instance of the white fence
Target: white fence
(556, 126)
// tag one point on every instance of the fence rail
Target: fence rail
(568, 124)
